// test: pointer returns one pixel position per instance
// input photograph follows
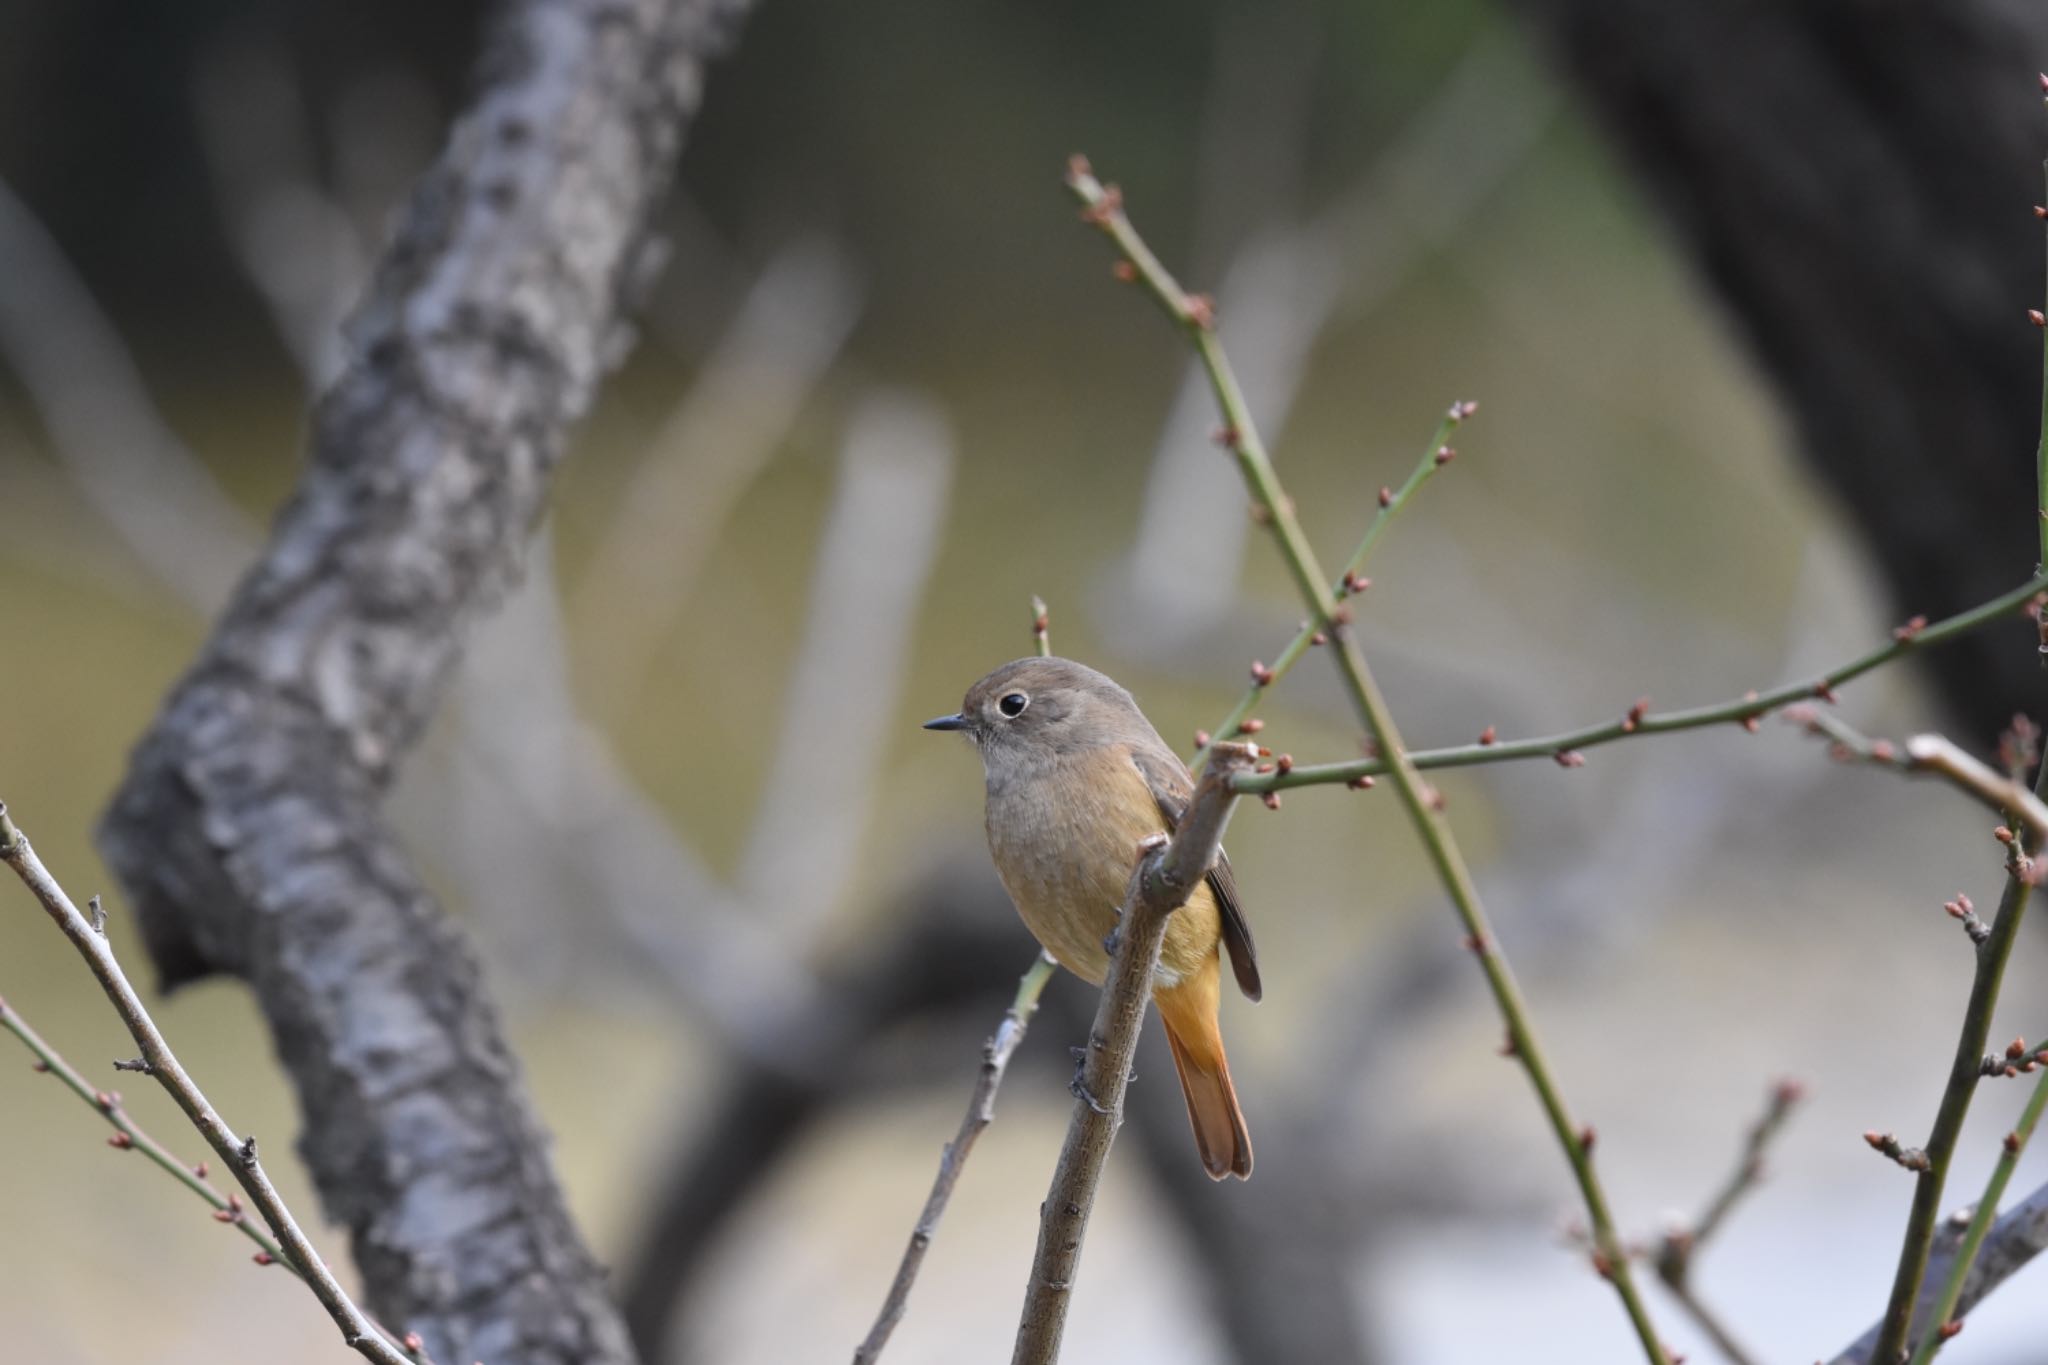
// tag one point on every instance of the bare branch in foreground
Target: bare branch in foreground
(981, 1111)
(237, 1154)
(1167, 873)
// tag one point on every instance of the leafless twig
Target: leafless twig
(237, 1154)
(981, 1111)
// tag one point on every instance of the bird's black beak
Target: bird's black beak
(953, 722)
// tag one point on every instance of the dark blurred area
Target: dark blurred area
(1741, 292)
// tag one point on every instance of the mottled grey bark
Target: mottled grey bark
(248, 828)
(1854, 180)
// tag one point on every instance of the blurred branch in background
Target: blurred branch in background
(879, 543)
(1285, 286)
(249, 827)
(1681, 1245)
(711, 447)
(117, 450)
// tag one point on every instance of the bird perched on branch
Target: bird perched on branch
(1077, 779)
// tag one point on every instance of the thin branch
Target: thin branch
(130, 1135)
(1434, 457)
(1964, 1072)
(981, 1111)
(981, 1104)
(1196, 319)
(1944, 1322)
(1678, 1248)
(237, 1154)
(1167, 873)
(1745, 710)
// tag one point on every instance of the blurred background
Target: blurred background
(886, 391)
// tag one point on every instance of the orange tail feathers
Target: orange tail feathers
(1189, 1014)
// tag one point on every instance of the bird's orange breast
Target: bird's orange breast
(1065, 838)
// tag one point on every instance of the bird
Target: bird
(1077, 779)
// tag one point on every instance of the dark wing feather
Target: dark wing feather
(1173, 788)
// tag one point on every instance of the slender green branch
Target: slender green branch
(131, 1135)
(1041, 628)
(1434, 457)
(1965, 1070)
(237, 1154)
(1102, 206)
(1744, 710)
(1943, 1322)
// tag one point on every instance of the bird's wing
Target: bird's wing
(1173, 788)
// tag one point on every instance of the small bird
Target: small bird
(1077, 779)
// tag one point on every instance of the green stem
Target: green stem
(1981, 1220)
(1737, 711)
(1312, 631)
(108, 1106)
(1103, 208)
(1965, 1070)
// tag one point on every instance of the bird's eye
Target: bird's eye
(1013, 704)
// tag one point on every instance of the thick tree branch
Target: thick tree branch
(248, 827)
(1167, 873)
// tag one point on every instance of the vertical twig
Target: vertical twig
(1195, 316)
(238, 1154)
(1167, 873)
(981, 1104)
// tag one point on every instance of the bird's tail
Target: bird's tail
(1189, 1013)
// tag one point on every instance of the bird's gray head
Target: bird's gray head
(1033, 708)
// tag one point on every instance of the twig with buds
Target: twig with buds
(1992, 951)
(1434, 457)
(237, 1154)
(1102, 206)
(1945, 1321)
(1746, 710)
